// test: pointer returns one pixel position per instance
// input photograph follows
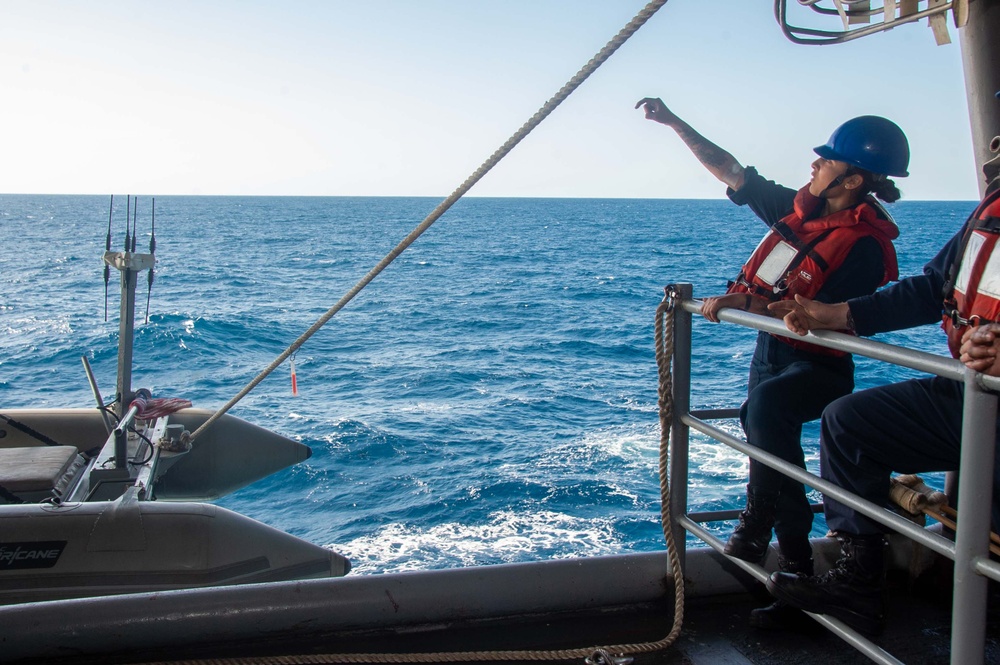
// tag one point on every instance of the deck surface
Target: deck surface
(715, 632)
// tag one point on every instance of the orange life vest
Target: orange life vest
(972, 290)
(799, 253)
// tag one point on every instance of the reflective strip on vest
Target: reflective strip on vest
(774, 268)
(989, 283)
(976, 242)
(975, 297)
(986, 268)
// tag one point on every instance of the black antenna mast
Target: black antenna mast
(128, 218)
(152, 252)
(107, 268)
(135, 223)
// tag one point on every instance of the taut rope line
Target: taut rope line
(630, 28)
(606, 655)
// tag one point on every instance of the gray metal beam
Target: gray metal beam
(980, 55)
(90, 626)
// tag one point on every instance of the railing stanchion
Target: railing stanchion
(970, 551)
(968, 622)
(679, 432)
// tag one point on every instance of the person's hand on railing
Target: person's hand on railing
(710, 306)
(979, 349)
(803, 315)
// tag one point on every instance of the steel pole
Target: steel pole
(679, 432)
(972, 540)
(980, 55)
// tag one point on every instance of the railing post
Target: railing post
(975, 491)
(970, 552)
(679, 432)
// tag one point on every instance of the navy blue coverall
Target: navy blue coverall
(909, 427)
(789, 387)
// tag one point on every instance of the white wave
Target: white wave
(422, 407)
(628, 442)
(506, 537)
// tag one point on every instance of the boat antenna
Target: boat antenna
(130, 264)
(135, 224)
(152, 251)
(128, 217)
(107, 268)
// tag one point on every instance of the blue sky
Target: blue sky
(398, 97)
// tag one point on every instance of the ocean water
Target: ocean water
(489, 398)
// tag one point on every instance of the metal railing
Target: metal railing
(970, 549)
(860, 19)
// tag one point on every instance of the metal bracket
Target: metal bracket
(671, 295)
(860, 13)
(603, 657)
(129, 261)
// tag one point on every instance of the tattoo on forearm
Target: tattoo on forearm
(710, 155)
(707, 152)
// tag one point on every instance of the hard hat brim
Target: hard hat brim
(826, 152)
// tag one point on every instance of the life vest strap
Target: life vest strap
(960, 321)
(990, 225)
(984, 210)
(804, 249)
(753, 289)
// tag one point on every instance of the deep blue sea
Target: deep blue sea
(490, 397)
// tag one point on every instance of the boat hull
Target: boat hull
(91, 549)
(231, 454)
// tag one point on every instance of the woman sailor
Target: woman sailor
(828, 239)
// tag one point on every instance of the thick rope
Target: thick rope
(640, 19)
(593, 655)
(664, 335)
(607, 655)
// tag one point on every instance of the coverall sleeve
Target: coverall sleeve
(911, 302)
(768, 200)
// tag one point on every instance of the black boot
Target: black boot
(779, 615)
(852, 591)
(750, 539)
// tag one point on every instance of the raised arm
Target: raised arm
(719, 163)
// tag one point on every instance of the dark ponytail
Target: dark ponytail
(877, 185)
(886, 190)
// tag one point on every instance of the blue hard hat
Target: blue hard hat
(869, 142)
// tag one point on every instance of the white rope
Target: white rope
(623, 35)
(604, 654)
